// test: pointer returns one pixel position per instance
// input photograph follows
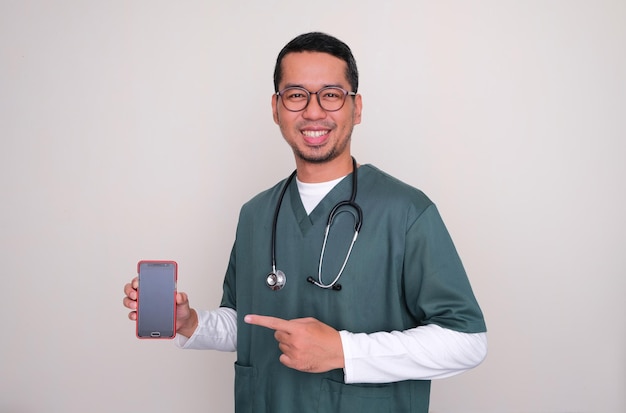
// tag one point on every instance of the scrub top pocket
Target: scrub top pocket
(346, 398)
(244, 389)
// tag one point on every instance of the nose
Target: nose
(313, 110)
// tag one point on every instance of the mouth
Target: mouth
(315, 137)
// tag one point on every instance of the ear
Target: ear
(358, 106)
(275, 107)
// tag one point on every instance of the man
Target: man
(338, 324)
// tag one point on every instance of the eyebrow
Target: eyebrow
(302, 86)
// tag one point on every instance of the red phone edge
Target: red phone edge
(175, 291)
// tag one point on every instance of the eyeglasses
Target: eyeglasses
(329, 98)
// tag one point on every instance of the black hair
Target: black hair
(323, 43)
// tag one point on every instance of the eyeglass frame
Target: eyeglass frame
(308, 93)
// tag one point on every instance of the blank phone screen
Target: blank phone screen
(156, 303)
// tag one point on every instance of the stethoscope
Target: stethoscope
(276, 279)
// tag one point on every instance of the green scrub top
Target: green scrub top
(403, 272)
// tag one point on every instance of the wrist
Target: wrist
(188, 326)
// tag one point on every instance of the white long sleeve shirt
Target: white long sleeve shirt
(421, 353)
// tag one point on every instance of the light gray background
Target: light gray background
(136, 129)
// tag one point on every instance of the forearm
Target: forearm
(216, 330)
(422, 353)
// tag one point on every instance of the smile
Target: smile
(314, 133)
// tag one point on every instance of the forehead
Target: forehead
(313, 68)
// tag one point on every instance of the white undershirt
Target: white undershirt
(312, 194)
(421, 353)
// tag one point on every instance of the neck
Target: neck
(309, 172)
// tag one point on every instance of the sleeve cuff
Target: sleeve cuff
(217, 330)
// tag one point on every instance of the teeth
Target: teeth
(314, 133)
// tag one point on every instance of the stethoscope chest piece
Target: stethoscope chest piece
(276, 280)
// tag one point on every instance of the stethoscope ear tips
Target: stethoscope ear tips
(336, 287)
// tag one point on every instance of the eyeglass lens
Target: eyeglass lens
(329, 98)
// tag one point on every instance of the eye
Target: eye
(294, 94)
(332, 94)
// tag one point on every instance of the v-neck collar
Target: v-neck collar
(319, 215)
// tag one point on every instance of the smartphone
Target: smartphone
(156, 299)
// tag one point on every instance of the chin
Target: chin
(316, 157)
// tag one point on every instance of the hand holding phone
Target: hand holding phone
(156, 299)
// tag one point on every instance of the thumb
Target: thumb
(182, 298)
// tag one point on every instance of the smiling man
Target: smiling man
(310, 109)
(344, 291)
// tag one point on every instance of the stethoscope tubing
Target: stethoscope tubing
(278, 276)
(275, 221)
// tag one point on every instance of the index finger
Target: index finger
(274, 323)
